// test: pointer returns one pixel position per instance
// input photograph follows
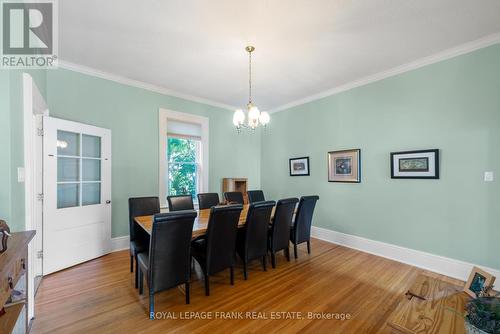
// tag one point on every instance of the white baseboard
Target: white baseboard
(120, 243)
(439, 264)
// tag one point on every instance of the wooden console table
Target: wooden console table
(442, 311)
(14, 273)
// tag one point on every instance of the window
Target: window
(183, 155)
(183, 158)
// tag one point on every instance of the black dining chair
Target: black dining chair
(255, 196)
(216, 252)
(207, 200)
(251, 241)
(168, 263)
(180, 203)
(300, 231)
(233, 197)
(139, 240)
(279, 231)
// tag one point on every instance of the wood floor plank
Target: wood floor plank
(99, 296)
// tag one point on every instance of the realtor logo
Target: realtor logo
(29, 38)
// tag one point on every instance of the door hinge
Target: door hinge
(39, 132)
(39, 255)
(39, 197)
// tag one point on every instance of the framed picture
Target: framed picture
(299, 166)
(344, 166)
(415, 164)
(478, 279)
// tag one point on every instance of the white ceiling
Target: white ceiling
(303, 47)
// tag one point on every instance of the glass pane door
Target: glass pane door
(78, 169)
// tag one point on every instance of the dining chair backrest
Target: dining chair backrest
(170, 250)
(255, 196)
(141, 206)
(256, 229)
(180, 203)
(221, 237)
(207, 200)
(233, 197)
(303, 219)
(282, 221)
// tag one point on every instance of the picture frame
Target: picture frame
(421, 164)
(344, 166)
(299, 166)
(478, 279)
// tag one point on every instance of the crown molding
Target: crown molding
(139, 84)
(440, 56)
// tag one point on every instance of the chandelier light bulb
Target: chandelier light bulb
(264, 118)
(238, 117)
(254, 113)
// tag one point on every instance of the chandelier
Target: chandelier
(255, 117)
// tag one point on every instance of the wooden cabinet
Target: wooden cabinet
(235, 184)
(14, 276)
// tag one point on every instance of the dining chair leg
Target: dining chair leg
(141, 281)
(295, 250)
(231, 275)
(136, 272)
(264, 263)
(207, 288)
(308, 247)
(151, 305)
(186, 287)
(131, 263)
(287, 254)
(273, 259)
(245, 276)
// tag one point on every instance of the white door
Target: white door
(77, 193)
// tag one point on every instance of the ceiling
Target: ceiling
(303, 47)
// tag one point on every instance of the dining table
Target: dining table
(200, 223)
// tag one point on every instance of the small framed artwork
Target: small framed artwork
(344, 166)
(422, 164)
(478, 280)
(299, 166)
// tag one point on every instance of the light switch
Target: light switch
(20, 174)
(488, 177)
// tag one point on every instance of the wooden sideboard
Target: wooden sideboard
(14, 274)
(437, 306)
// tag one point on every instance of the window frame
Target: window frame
(163, 116)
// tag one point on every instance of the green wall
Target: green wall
(132, 115)
(5, 203)
(454, 106)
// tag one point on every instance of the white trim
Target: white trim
(120, 243)
(140, 84)
(436, 263)
(443, 55)
(163, 115)
(33, 104)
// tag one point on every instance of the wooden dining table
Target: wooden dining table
(200, 222)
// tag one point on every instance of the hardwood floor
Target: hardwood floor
(99, 296)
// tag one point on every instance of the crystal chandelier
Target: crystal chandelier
(255, 117)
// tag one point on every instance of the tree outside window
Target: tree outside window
(183, 166)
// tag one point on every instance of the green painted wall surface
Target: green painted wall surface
(132, 115)
(453, 105)
(5, 203)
